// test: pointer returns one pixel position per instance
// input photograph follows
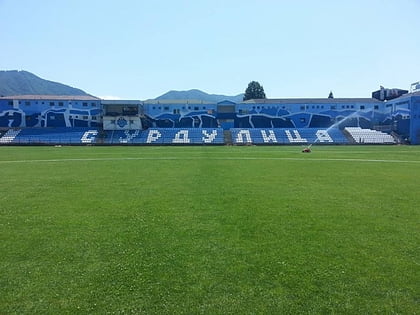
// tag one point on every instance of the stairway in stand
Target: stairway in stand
(227, 136)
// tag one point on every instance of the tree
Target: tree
(254, 90)
(331, 95)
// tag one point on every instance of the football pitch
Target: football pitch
(210, 230)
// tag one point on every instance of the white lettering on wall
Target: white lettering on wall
(89, 136)
(270, 137)
(128, 136)
(153, 136)
(323, 136)
(241, 135)
(181, 137)
(209, 138)
(296, 139)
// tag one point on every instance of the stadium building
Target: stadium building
(390, 116)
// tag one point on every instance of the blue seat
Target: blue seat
(287, 136)
(61, 135)
(167, 136)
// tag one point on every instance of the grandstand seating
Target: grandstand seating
(166, 136)
(369, 136)
(287, 136)
(191, 136)
(9, 136)
(50, 136)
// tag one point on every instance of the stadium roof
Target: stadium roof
(177, 102)
(311, 100)
(52, 97)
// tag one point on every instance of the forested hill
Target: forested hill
(199, 95)
(15, 82)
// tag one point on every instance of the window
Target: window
(60, 104)
(94, 118)
(10, 103)
(27, 103)
(85, 104)
(195, 107)
(333, 107)
(166, 108)
(52, 104)
(362, 106)
(85, 117)
(302, 108)
(93, 104)
(376, 107)
(131, 121)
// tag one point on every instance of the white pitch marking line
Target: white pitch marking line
(207, 158)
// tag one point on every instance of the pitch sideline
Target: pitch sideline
(207, 158)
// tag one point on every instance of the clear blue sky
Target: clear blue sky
(141, 49)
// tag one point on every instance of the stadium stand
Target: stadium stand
(50, 136)
(166, 136)
(369, 136)
(9, 136)
(287, 136)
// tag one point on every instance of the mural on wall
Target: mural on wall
(242, 116)
(45, 116)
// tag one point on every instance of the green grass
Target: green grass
(210, 230)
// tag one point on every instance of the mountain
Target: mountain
(25, 83)
(15, 82)
(199, 95)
